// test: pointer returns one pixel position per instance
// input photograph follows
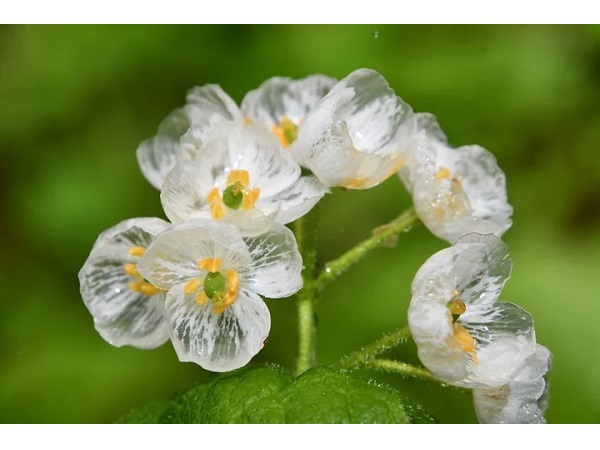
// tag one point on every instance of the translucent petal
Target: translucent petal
(360, 116)
(477, 266)
(122, 316)
(456, 191)
(173, 257)
(275, 270)
(157, 156)
(217, 342)
(251, 147)
(335, 161)
(296, 200)
(232, 146)
(522, 400)
(184, 193)
(473, 271)
(428, 122)
(505, 339)
(207, 107)
(280, 97)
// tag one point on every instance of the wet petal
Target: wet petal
(184, 193)
(472, 271)
(158, 155)
(275, 270)
(429, 123)
(296, 200)
(217, 342)
(455, 191)
(522, 400)
(360, 115)
(280, 97)
(207, 107)
(122, 316)
(232, 146)
(476, 266)
(173, 257)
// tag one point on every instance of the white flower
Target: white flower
(206, 107)
(523, 400)
(464, 336)
(127, 310)
(281, 103)
(358, 134)
(214, 275)
(240, 168)
(455, 191)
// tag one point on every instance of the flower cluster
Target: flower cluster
(231, 178)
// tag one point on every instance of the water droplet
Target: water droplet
(375, 34)
(328, 269)
(117, 290)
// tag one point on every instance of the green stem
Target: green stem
(408, 370)
(306, 236)
(381, 237)
(366, 354)
(402, 368)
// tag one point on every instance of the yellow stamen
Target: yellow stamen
(210, 264)
(248, 120)
(136, 251)
(241, 176)
(466, 341)
(135, 286)
(130, 269)
(150, 289)
(250, 198)
(442, 174)
(191, 286)
(202, 299)
(218, 309)
(233, 281)
(214, 201)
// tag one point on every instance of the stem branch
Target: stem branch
(380, 237)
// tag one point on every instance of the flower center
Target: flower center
(236, 194)
(461, 336)
(286, 131)
(217, 287)
(454, 202)
(139, 283)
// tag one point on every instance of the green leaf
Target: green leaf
(270, 394)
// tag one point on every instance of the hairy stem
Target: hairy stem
(366, 354)
(306, 236)
(380, 237)
(408, 370)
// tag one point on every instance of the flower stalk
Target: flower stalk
(403, 223)
(366, 354)
(306, 237)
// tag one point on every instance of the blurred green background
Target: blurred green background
(75, 101)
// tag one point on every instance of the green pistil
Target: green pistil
(214, 284)
(233, 195)
(290, 131)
